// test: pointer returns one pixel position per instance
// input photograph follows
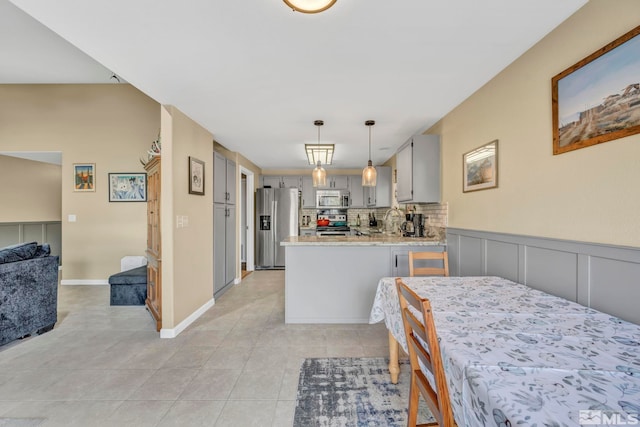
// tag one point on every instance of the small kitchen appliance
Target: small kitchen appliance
(418, 225)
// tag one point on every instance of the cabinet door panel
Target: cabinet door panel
(308, 193)
(404, 162)
(219, 246)
(291, 182)
(230, 249)
(271, 181)
(231, 182)
(219, 178)
(356, 192)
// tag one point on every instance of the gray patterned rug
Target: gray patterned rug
(352, 392)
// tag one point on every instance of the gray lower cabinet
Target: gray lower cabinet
(224, 245)
(400, 258)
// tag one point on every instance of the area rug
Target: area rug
(352, 392)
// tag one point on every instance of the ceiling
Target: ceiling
(257, 75)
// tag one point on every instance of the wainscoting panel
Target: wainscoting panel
(471, 257)
(552, 271)
(615, 287)
(502, 259)
(604, 277)
(41, 232)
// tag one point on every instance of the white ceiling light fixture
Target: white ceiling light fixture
(310, 6)
(319, 175)
(369, 173)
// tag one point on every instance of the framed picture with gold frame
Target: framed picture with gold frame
(480, 168)
(598, 99)
(84, 177)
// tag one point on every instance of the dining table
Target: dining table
(514, 355)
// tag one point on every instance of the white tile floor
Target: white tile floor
(237, 365)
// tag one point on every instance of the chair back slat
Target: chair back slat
(414, 270)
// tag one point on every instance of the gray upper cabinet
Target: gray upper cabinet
(380, 195)
(286, 181)
(418, 166)
(224, 180)
(308, 193)
(356, 192)
(271, 181)
(339, 182)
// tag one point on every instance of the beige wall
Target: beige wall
(109, 125)
(30, 191)
(589, 194)
(187, 252)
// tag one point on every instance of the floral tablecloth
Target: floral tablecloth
(514, 355)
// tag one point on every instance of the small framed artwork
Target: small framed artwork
(84, 177)
(598, 99)
(127, 187)
(480, 168)
(196, 176)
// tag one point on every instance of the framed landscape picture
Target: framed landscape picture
(84, 177)
(127, 187)
(196, 176)
(598, 99)
(480, 168)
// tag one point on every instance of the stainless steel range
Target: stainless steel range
(338, 225)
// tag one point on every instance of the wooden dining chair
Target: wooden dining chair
(424, 355)
(428, 271)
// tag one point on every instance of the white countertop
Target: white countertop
(377, 239)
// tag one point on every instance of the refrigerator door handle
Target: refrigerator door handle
(275, 228)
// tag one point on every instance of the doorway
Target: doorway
(247, 187)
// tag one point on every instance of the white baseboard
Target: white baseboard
(237, 280)
(172, 333)
(84, 282)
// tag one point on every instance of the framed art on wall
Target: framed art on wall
(84, 176)
(598, 99)
(196, 176)
(480, 168)
(127, 187)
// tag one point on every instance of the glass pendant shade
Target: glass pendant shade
(319, 176)
(369, 175)
(310, 6)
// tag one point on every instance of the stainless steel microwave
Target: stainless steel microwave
(332, 199)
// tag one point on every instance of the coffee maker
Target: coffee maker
(418, 225)
(408, 228)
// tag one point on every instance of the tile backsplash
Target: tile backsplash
(436, 214)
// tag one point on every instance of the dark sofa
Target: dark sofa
(28, 290)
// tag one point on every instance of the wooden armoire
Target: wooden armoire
(154, 247)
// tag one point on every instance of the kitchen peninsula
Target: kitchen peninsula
(333, 279)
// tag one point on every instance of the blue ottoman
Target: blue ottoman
(129, 287)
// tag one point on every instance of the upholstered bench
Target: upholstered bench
(129, 287)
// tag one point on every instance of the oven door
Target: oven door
(333, 233)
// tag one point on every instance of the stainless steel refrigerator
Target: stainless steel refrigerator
(276, 219)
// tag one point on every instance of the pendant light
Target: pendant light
(369, 173)
(319, 174)
(309, 6)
